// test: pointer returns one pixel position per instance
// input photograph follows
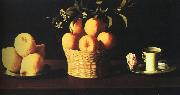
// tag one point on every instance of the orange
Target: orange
(76, 26)
(40, 49)
(92, 26)
(106, 39)
(88, 43)
(69, 41)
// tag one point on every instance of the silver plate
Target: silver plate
(140, 69)
(9, 73)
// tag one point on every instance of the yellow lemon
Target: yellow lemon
(11, 60)
(31, 65)
(24, 44)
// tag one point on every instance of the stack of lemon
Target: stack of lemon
(25, 58)
(84, 47)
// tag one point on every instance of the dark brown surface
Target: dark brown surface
(56, 78)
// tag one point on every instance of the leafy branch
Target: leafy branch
(80, 10)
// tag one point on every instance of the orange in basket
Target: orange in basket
(106, 39)
(88, 43)
(92, 26)
(69, 41)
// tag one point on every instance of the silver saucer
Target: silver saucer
(9, 73)
(140, 69)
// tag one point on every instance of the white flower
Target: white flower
(131, 60)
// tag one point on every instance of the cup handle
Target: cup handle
(144, 57)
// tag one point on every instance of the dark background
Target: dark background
(150, 23)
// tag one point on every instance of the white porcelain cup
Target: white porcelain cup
(150, 56)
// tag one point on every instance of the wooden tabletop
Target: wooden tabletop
(57, 78)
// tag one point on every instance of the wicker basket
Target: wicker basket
(87, 64)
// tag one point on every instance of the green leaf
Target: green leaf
(99, 2)
(123, 3)
(124, 19)
(110, 21)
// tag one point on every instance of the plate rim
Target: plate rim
(17, 75)
(169, 69)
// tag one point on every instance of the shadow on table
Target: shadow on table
(46, 73)
(118, 70)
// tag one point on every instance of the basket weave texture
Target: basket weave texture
(84, 64)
